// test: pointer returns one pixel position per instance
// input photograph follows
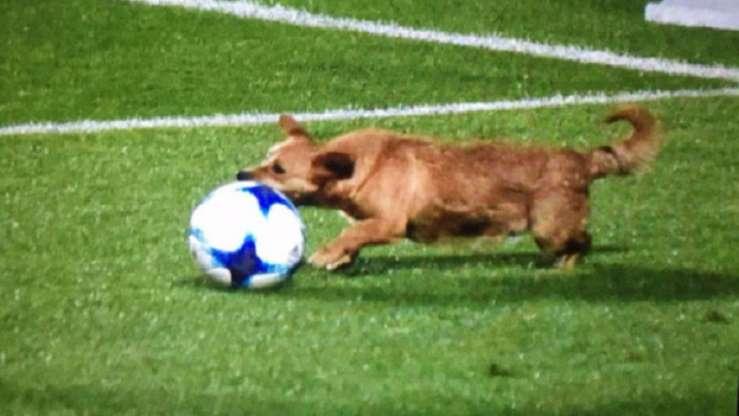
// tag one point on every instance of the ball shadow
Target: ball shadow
(199, 282)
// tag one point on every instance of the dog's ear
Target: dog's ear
(330, 166)
(291, 127)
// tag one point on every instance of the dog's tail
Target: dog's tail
(633, 154)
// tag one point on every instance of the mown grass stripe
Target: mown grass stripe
(256, 118)
(292, 16)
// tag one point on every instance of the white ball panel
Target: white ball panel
(259, 281)
(281, 241)
(201, 253)
(226, 218)
(220, 275)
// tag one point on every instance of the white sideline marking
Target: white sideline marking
(246, 119)
(277, 13)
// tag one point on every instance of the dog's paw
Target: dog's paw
(328, 259)
(567, 262)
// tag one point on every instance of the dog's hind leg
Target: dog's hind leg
(558, 223)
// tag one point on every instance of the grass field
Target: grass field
(103, 311)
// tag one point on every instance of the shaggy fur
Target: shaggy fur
(397, 186)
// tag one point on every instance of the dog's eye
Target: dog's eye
(277, 168)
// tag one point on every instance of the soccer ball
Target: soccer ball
(246, 234)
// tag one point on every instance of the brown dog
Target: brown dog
(396, 186)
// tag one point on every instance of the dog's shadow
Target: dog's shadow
(521, 276)
(497, 277)
(379, 264)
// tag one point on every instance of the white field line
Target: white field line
(277, 13)
(247, 119)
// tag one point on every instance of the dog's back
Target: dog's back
(490, 188)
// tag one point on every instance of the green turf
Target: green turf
(614, 25)
(98, 59)
(103, 312)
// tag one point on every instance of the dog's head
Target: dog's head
(297, 166)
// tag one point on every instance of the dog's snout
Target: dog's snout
(243, 175)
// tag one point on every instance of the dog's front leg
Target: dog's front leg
(345, 247)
